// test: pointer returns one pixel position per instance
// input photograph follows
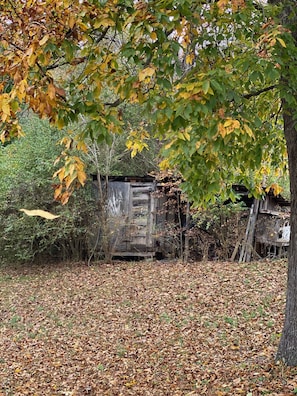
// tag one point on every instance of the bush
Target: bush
(26, 169)
(217, 229)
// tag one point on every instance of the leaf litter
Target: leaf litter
(143, 328)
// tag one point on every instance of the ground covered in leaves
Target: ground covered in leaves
(146, 328)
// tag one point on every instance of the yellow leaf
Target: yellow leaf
(51, 91)
(70, 179)
(61, 174)
(64, 198)
(133, 153)
(147, 72)
(129, 144)
(236, 124)
(81, 176)
(21, 90)
(40, 213)
(6, 108)
(104, 21)
(17, 77)
(232, 124)
(32, 59)
(164, 165)
(228, 127)
(82, 146)
(3, 137)
(222, 4)
(58, 191)
(71, 169)
(162, 105)
(153, 36)
(44, 40)
(275, 188)
(84, 27)
(281, 41)
(238, 4)
(198, 145)
(130, 384)
(228, 123)
(191, 87)
(185, 95)
(67, 141)
(222, 131)
(60, 123)
(168, 145)
(71, 21)
(187, 135)
(190, 59)
(248, 130)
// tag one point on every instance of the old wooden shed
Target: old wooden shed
(136, 213)
(272, 231)
(268, 227)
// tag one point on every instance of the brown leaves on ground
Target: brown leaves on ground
(143, 329)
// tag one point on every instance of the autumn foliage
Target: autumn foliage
(75, 62)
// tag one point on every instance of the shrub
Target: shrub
(26, 169)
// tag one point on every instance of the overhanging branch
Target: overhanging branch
(114, 104)
(259, 92)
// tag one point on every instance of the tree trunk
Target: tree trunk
(287, 350)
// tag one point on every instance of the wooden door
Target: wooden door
(141, 216)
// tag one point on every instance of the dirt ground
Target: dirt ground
(143, 328)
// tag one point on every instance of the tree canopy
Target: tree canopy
(207, 73)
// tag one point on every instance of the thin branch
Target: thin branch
(74, 62)
(16, 46)
(102, 35)
(56, 65)
(114, 104)
(278, 113)
(257, 93)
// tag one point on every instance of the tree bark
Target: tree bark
(287, 350)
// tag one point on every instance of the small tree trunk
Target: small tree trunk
(187, 239)
(287, 350)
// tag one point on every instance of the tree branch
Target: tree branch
(114, 104)
(257, 93)
(102, 35)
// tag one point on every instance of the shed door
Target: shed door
(131, 217)
(141, 216)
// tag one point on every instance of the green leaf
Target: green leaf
(205, 86)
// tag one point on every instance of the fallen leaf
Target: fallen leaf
(40, 213)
